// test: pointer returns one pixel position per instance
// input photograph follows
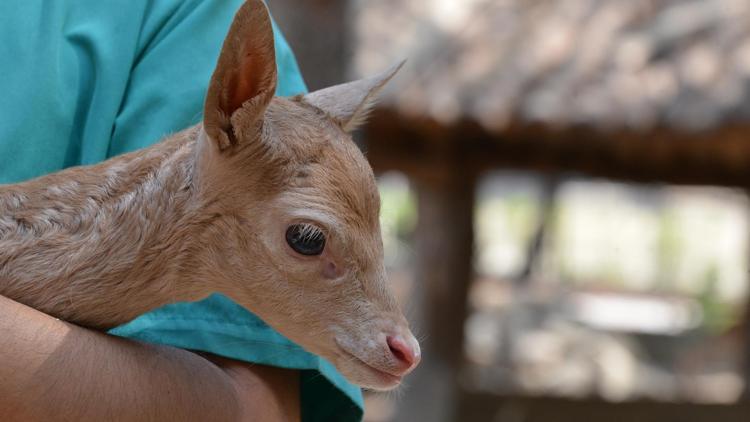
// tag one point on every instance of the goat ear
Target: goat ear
(244, 80)
(349, 103)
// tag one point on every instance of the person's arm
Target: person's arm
(52, 370)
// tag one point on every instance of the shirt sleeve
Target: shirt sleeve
(177, 51)
(178, 48)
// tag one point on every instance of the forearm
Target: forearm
(52, 370)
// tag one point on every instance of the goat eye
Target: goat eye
(306, 239)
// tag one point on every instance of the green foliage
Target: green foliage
(717, 315)
(399, 209)
(670, 247)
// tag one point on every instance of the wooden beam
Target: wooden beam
(720, 157)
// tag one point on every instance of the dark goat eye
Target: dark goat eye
(306, 239)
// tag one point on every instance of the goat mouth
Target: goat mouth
(382, 376)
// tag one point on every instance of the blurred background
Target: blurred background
(565, 207)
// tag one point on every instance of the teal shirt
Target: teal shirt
(84, 80)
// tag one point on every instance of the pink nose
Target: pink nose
(407, 356)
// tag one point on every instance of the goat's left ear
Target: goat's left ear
(349, 103)
(244, 80)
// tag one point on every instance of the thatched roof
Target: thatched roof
(630, 64)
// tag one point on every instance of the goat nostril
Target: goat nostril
(401, 350)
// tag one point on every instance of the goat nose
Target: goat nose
(408, 356)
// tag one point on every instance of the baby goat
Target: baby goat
(267, 201)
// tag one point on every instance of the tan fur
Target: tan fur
(207, 209)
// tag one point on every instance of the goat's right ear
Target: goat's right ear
(244, 80)
(348, 104)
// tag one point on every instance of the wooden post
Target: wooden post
(744, 333)
(318, 32)
(444, 246)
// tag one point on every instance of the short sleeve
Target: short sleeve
(177, 51)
